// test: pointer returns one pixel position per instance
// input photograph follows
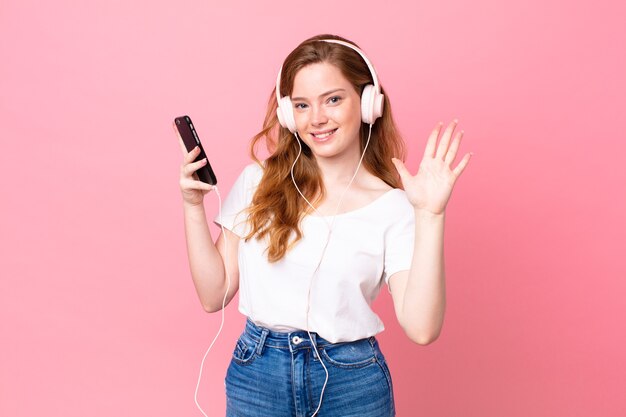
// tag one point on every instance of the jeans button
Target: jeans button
(296, 340)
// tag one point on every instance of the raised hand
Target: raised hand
(192, 189)
(430, 189)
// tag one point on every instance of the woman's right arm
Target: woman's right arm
(208, 261)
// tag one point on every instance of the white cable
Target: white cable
(223, 301)
(310, 284)
(323, 251)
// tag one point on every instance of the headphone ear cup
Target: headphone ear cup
(279, 114)
(379, 103)
(371, 104)
(284, 111)
(366, 104)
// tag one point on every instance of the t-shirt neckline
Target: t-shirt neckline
(357, 210)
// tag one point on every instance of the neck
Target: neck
(339, 170)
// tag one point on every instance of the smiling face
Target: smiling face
(327, 111)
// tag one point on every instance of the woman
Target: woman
(312, 233)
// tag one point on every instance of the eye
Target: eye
(299, 106)
(334, 99)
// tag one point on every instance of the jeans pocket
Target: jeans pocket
(355, 354)
(245, 350)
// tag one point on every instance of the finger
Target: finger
(195, 184)
(192, 167)
(192, 155)
(429, 152)
(201, 185)
(445, 140)
(461, 166)
(401, 168)
(454, 147)
(189, 156)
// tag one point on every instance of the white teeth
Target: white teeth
(323, 135)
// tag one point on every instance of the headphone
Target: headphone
(371, 99)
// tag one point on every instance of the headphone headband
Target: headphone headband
(349, 45)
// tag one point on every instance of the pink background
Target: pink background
(98, 314)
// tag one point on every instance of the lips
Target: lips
(324, 135)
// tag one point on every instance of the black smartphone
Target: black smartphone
(191, 140)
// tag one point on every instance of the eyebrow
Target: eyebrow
(321, 95)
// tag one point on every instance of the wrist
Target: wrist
(428, 215)
(193, 206)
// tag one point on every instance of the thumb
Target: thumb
(401, 168)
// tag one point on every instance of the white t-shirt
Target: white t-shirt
(366, 247)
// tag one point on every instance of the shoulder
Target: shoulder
(393, 212)
(398, 202)
(251, 175)
(395, 198)
(253, 169)
(399, 216)
(247, 181)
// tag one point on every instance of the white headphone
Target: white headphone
(371, 99)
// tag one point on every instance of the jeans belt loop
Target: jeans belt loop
(259, 348)
(314, 340)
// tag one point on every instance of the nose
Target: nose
(318, 116)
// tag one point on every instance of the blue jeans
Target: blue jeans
(278, 374)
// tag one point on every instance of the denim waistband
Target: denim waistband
(283, 340)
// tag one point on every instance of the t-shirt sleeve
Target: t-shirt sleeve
(233, 213)
(399, 241)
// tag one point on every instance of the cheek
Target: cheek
(355, 110)
(300, 118)
(348, 115)
(350, 119)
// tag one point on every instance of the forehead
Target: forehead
(316, 79)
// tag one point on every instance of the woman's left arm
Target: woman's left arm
(419, 294)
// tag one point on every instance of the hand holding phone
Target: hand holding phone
(190, 138)
(192, 186)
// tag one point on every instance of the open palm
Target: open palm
(431, 187)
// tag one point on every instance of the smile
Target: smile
(323, 136)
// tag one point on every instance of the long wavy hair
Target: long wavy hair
(277, 208)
